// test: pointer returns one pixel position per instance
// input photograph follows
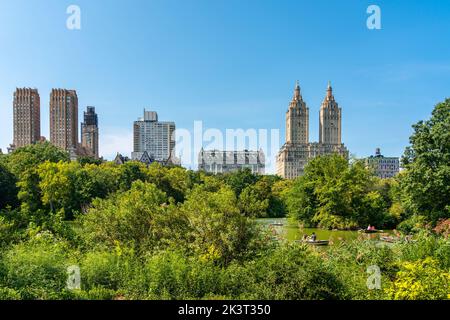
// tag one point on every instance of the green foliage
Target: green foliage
(112, 270)
(427, 245)
(280, 193)
(9, 294)
(239, 180)
(37, 269)
(8, 231)
(254, 200)
(426, 184)
(217, 230)
(263, 198)
(174, 181)
(332, 194)
(28, 157)
(8, 189)
(138, 218)
(297, 273)
(89, 160)
(420, 280)
(413, 224)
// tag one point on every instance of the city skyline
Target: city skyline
(229, 79)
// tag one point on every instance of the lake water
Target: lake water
(292, 232)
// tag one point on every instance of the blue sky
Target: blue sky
(231, 64)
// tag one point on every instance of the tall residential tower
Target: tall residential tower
(153, 137)
(64, 119)
(89, 131)
(27, 117)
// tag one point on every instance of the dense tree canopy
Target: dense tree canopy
(28, 157)
(426, 183)
(8, 189)
(332, 194)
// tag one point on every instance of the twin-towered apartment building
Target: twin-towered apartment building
(298, 150)
(63, 122)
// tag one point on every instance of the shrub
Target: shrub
(420, 280)
(37, 269)
(9, 294)
(293, 272)
(414, 224)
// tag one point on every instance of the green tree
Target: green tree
(217, 230)
(29, 157)
(426, 183)
(258, 200)
(8, 189)
(253, 201)
(174, 181)
(23, 163)
(89, 160)
(280, 191)
(334, 194)
(239, 180)
(138, 218)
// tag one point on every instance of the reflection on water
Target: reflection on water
(282, 229)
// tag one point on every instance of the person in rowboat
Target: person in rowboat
(313, 237)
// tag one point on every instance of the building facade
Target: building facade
(89, 132)
(155, 137)
(64, 119)
(383, 167)
(26, 117)
(297, 150)
(216, 161)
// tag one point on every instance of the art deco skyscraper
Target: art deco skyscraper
(89, 131)
(64, 118)
(27, 117)
(297, 119)
(295, 154)
(330, 120)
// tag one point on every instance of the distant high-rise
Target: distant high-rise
(154, 137)
(64, 119)
(89, 131)
(27, 117)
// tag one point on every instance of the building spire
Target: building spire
(329, 91)
(297, 91)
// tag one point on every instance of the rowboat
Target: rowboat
(369, 231)
(315, 243)
(276, 224)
